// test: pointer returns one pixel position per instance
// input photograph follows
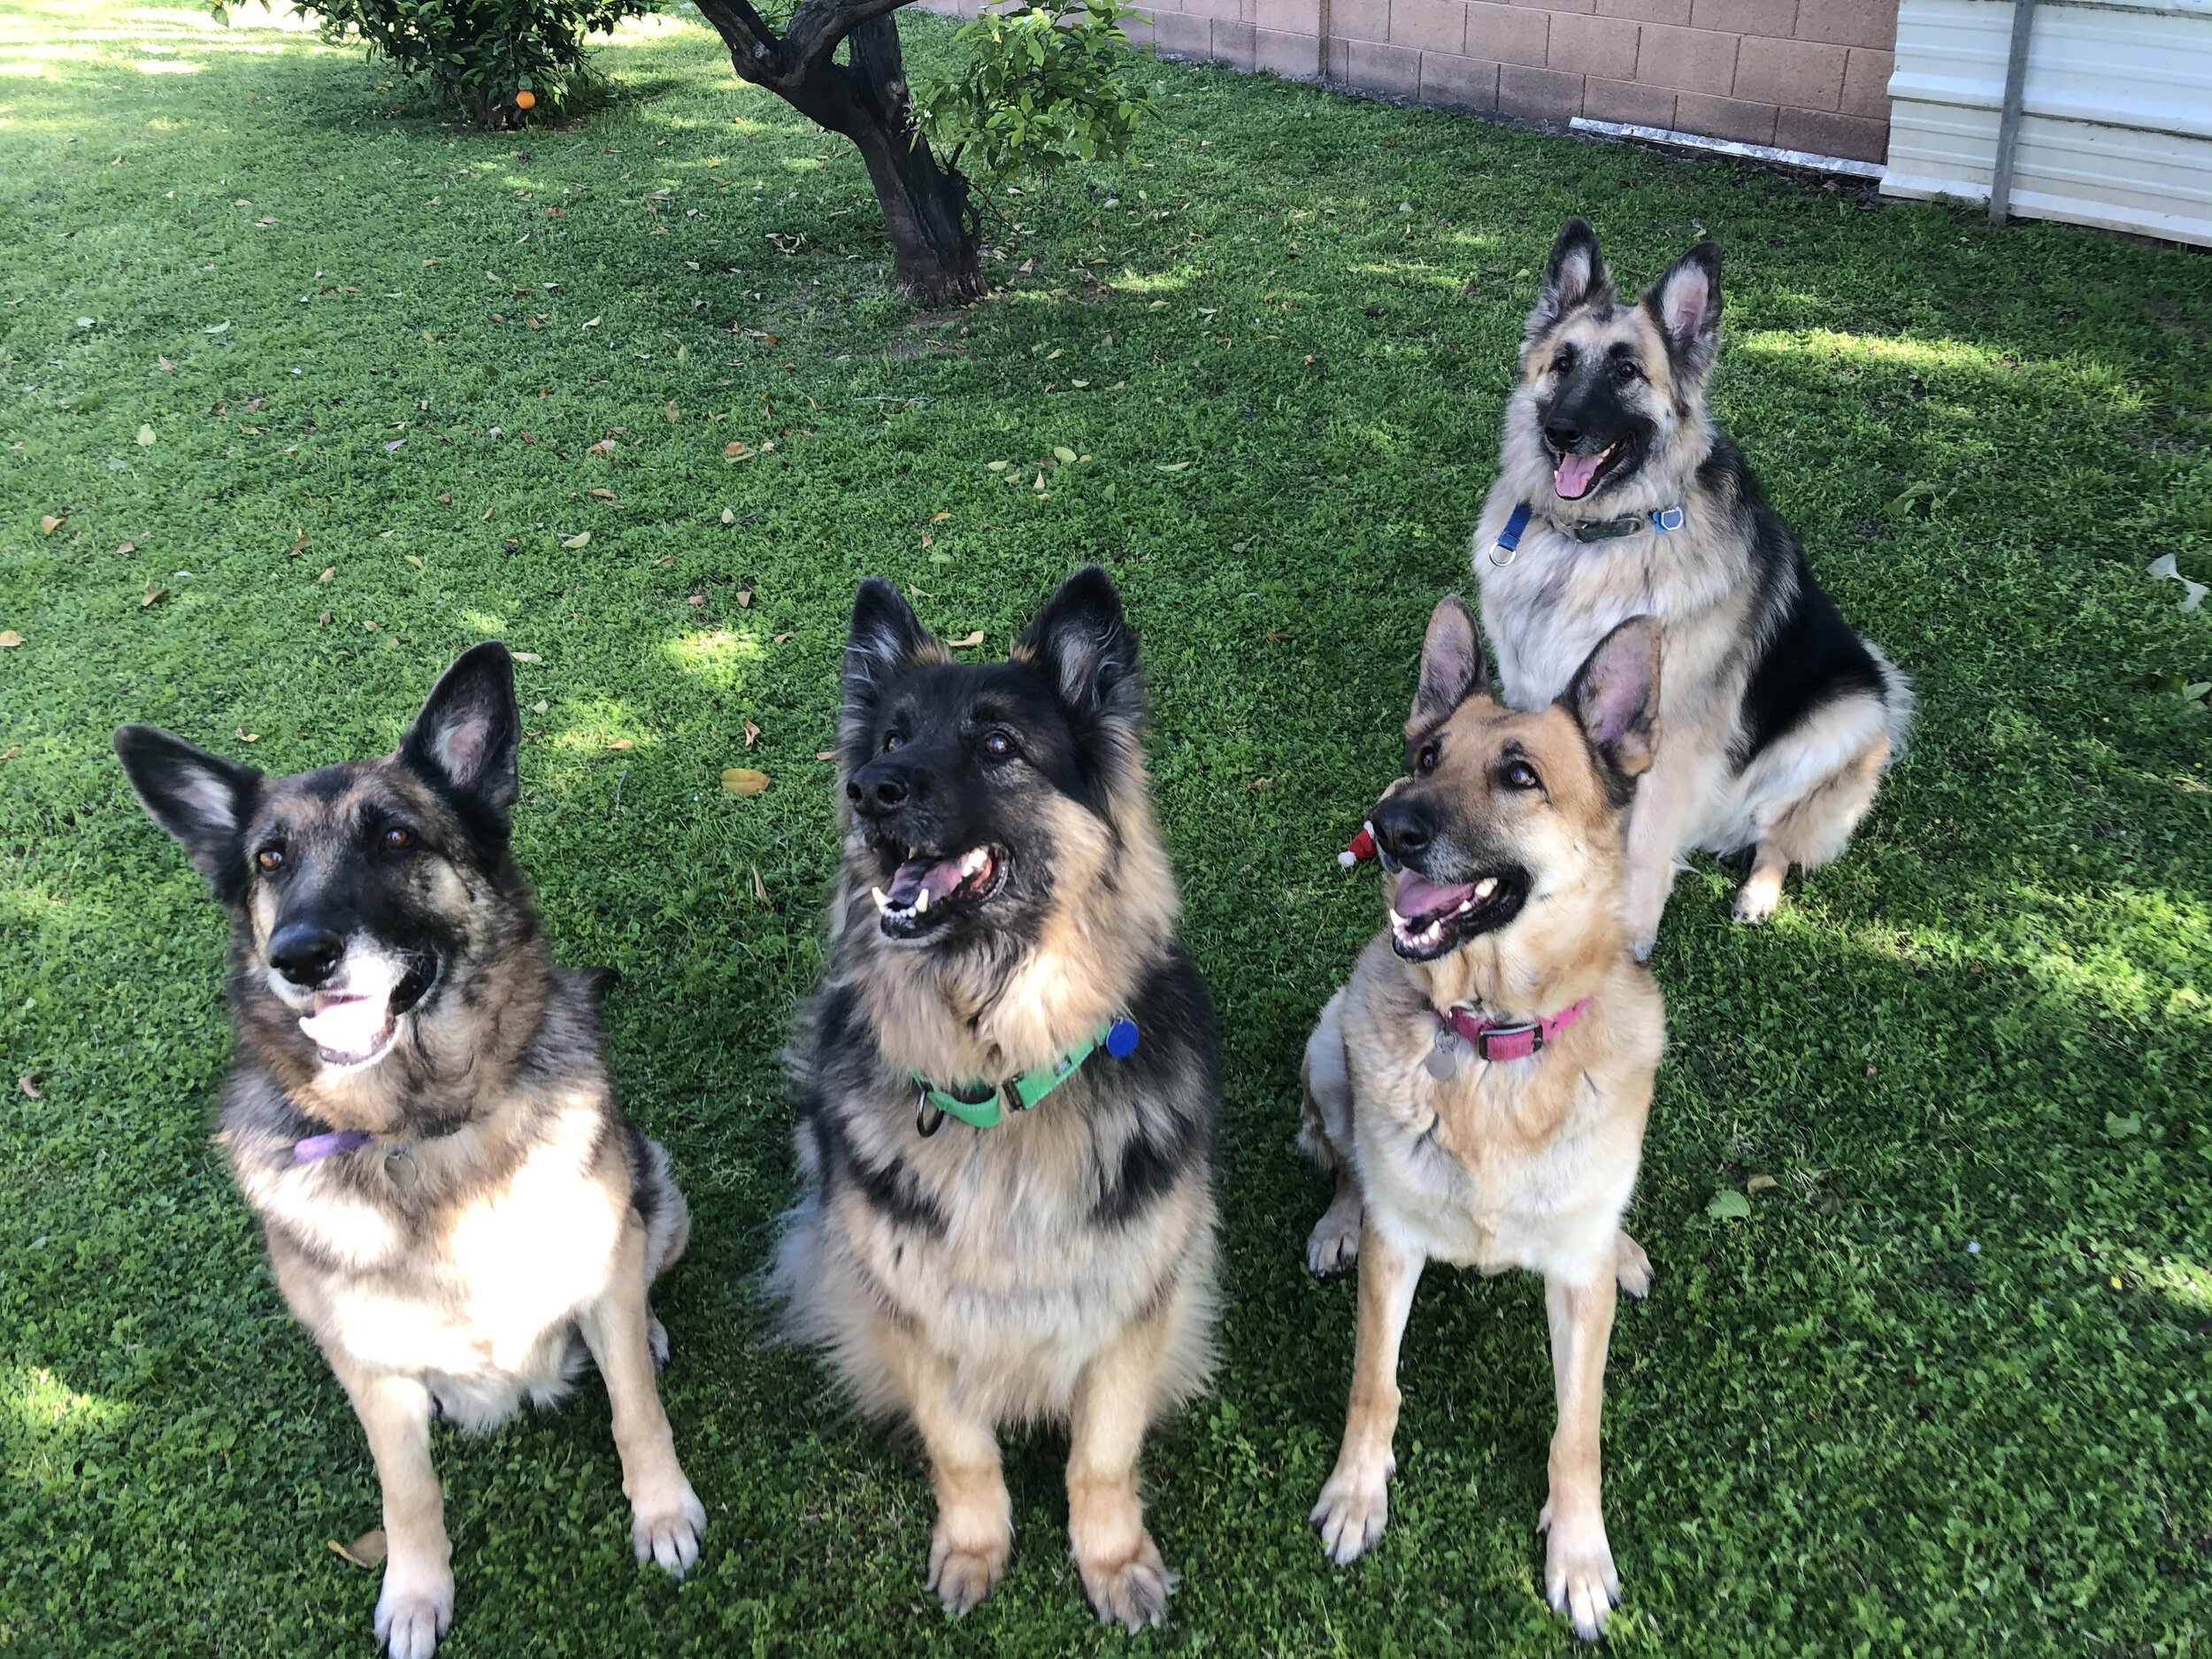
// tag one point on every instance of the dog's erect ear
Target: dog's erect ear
(1452, 668)
(1614, 698)
(1081, 643)
(1685, 303)
(886, 637)
(201, 799)
(466, 739)
(1575, 273)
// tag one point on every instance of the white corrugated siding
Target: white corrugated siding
(2116, 123)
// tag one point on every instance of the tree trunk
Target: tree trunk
(936, 244)
(934, 247)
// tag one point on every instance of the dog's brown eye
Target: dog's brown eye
(892, 741)
(1520, 775)
(1424, 762)
(998, 745)
(1564, 361)
(270, 858)
(398, 838)
(1625, 370)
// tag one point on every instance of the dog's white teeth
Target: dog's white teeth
(973, 861)
(1485, 888)
(882, 899)
(1464, 906)
(921, 901)
(1397, 921)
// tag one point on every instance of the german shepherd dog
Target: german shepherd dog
(1625, 499)
(1004, 895)
(420, 1115)
(1480, 1089)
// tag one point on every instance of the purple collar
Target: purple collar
(1494, 1039)
(329, 1145)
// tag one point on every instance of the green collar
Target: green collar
(1017, 1094)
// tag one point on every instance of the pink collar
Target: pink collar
(1494, 1039)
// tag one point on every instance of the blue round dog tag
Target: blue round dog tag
(1121, 1039)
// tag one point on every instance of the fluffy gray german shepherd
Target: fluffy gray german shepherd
(1002, 1223)
(1617, 497)
(421, 1113)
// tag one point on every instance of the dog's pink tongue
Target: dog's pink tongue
(1572, 478)
(939, 876)
(1419, 897)
(345, 1024)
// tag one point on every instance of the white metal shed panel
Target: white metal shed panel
(2117, 111)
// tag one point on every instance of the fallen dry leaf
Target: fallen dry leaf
(322, 620)
(528, 656)
(729, 515)
(411, 559)
(127, 547)
(164, 365)
(622, 742)
(603, 495)
(668, 410)
(1259, 783)
(582, 538)
(10, 639)
(154, 594)
(299, 545)
(49, 524)
(742, 780)
(329, 570)
(1760, 1183)
(963, 642)
(366, 1552)
(939, 517)
(779, 639)
(445, 498)
(760, 887)
(244, 736)
(9, 753)
(752, 734)
(825, 754)
(744, 599)
(487, 519)
(145, 437)
(665, 558)
(695, 599)
(368, 625)
(28, 1082)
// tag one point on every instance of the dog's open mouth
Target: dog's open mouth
(1575, 476)
(351, 1028)
(929, 890)
(1428, 918)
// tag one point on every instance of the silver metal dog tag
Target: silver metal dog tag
(1444, 1060)
(400, 1166)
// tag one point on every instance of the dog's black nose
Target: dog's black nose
(1563, 435)
(878, 786)
(1401, 830)
(305, 953)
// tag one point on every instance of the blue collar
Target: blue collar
(1660, 519)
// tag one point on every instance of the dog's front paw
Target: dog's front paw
(414, 1609)
(1130, 1592)
(1353, 1509)
(964, 1572)
(1333, 1245)
(1759, 896)
(666, 1527)
(1632, 1268)
(1579, 1575)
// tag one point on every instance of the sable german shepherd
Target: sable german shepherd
(1480, 1089)
(1623, 498)
(421, 1113)
(1004, 900)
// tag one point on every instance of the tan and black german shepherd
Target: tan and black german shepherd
(1008, 1212)
(1480, 1089)
(1617, 497)
(421, 1113)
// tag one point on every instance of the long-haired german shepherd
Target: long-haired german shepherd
(1480, 1087)
(1009, 1212)
(1617, 497)
(421, 1113)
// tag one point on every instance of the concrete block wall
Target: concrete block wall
(1804, 74)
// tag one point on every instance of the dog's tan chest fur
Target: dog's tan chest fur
(484, 1288)
(1524, 1164)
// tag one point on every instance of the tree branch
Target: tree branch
(817, 27)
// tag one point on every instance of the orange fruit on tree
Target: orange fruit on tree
(525, 99)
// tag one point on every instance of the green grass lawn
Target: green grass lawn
(1944, 1391)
